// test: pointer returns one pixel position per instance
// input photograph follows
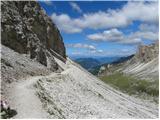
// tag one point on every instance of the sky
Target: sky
(104, 28)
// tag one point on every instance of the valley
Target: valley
(40, 80)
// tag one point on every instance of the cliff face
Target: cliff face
(146, 53)
(28, 30)
(143, 65)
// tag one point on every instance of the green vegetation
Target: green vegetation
(131, 85)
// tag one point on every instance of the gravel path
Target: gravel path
(75, 93)
(24, 99)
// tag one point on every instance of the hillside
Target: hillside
(100, 69)
(22, 26)
(39, 81)
(87, 63)
(143, 65)
(93, 64)
(138, 75)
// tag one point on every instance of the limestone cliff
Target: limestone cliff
(146, 53)
(28, 30)
(144, 64)
(29, 41)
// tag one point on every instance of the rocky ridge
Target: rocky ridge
(143, 65)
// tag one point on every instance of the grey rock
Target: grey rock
(28, 30)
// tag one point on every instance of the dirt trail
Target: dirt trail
(24, 99)
(75, 93)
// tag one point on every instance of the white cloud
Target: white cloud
(108, 35)
(80, 45)
(114, 35)
(90, 49)
(149, 27)
(75, 7)
(47, 2)
(132, 11)
(145, 35)
(102, 53)
(65, 23)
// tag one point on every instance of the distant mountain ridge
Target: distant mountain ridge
(143, 65)
(87, 63)
(95, 70)
(92, 62)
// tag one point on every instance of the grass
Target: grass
(131, 85)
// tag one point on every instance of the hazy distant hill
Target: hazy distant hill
(88, 63)
(94, 62)
(115, 60)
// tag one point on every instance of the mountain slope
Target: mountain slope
(40, 82)
(87, 63)
(28, 30)
(28, 37)
(75, 93)
(143, 65)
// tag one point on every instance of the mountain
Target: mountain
(94, 62)
(122, 59)
(27, 35)
(87, 63)
(39, 81)
(22, 26)
(143, 65)
(107, 60)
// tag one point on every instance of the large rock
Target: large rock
(28, 30)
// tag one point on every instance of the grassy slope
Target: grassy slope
(132, 86)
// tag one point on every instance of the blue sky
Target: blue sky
(108, 28)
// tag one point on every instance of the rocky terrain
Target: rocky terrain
(39, 81)
(27, 30)
(144, 64)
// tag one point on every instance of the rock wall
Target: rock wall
(147, 53)
(28, 30)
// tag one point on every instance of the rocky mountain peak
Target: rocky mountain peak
(147, 53)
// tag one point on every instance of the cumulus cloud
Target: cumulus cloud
(132, 11)
(145, 35)
(75, 7)
(80, 45)
(114, 35)
(110, 35)
(65, 23)
(90, 48)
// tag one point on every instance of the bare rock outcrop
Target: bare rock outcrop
(28, 37)
(143, 65)
(28, 30)
(146, 53)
